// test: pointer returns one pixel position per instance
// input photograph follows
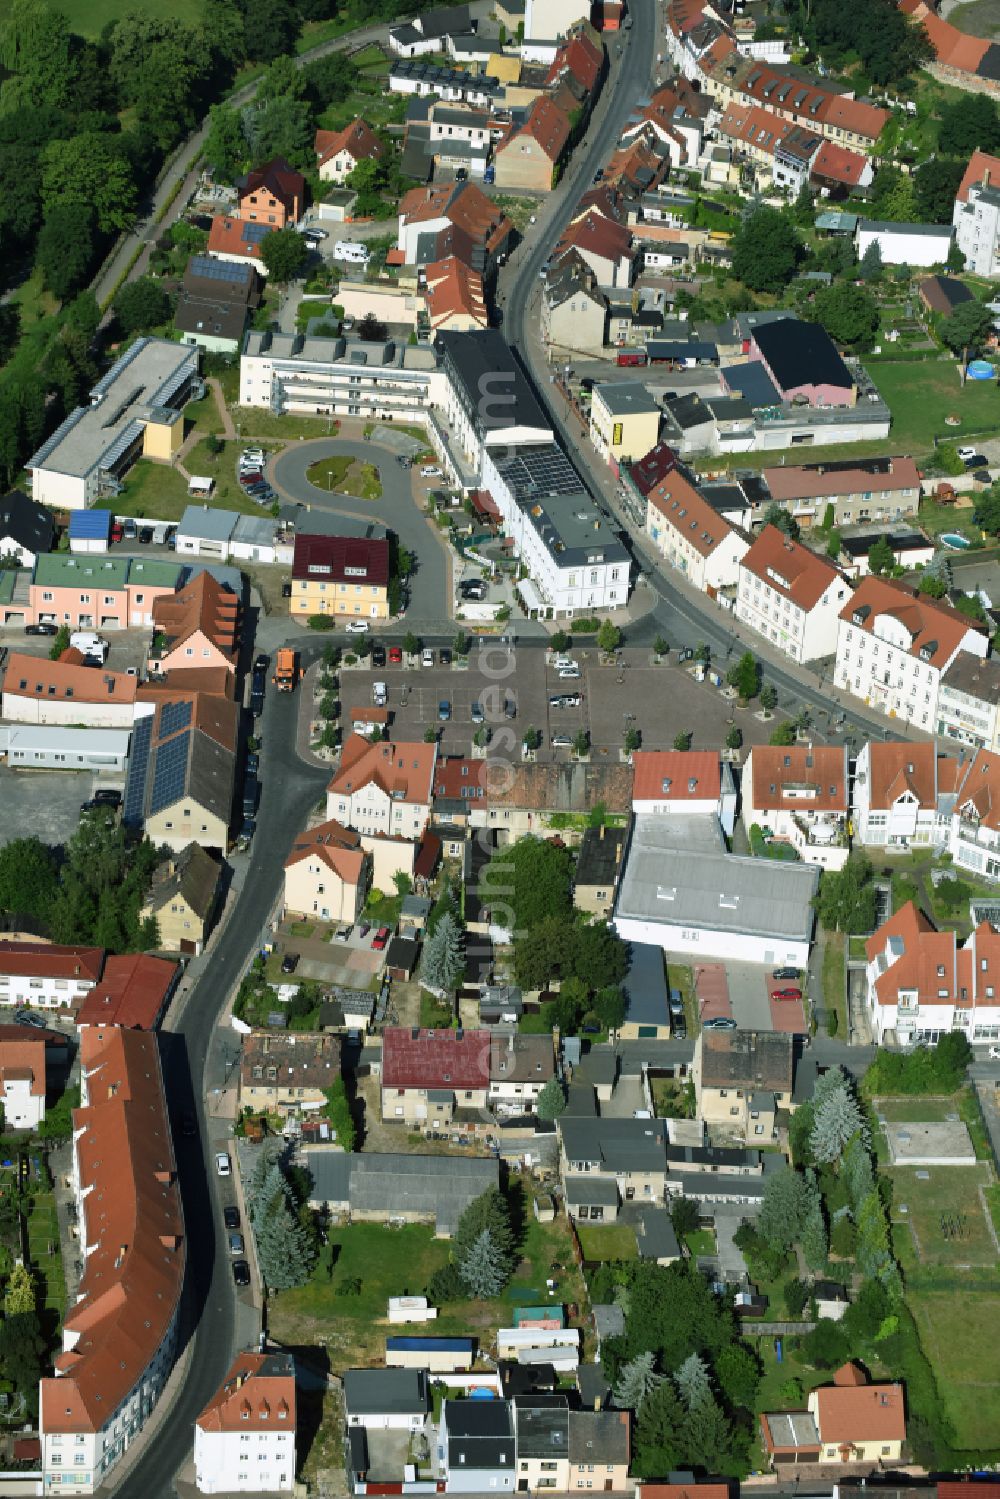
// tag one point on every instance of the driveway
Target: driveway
(45, 804)
(749, 996)
(396, 511)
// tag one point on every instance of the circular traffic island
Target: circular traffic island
(346, 475)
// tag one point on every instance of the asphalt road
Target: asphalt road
(195, 1060)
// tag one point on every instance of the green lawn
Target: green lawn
(956, 1332)
(700, 1241)
(949, 1191)
(917, 1110)
(43, 1249)
(251, 422)
(156, 492)
(348, 476)
(89, 17)
(921, 393)
(607, 1241)
(977, 18)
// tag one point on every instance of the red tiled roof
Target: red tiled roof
(453, 288)
(258, 1394)
(339, 848)
(952, 47)
(691, 516)
(895, 768)
(226, 237)
(134, 1228)
(358, 138)
(867, 1413)
(435, 1059)
(815, 481)
(133, 992)
(684, 1491)
(598, 235)
(458, 777)
(982, 168)
(652, 768)
(49, 961)
(978, 791)
(203, 605)
(790, 568)
(548, 126)
(341, 559)
(581, 57)
(281, 181)
(428, 854)
(24, 1061)
(55, 681)
(932, 625)
(404, 770)
(781, 775)
(839, 164)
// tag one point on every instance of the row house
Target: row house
(921, 983)
(244, 1439)
(46, 976)
(428, 1076)
(846, 492)
(568, 1450)
(742, 1078)
(976, 215)
(838, 117)
(791, 595)
(974, 842)
(968, 705)
(383, 789)
(199, 626)
(894, 644)
(903, 794)
(39, 691)
(287, 1072)
(681, 783)
(801, 793)
(692, 536)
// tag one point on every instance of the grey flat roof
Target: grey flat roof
(590, 1189)
(645, 985)
(385, 354)
(376, 1392)
(715, 1184)
(678, 873)
(978, 679)
(439, 1186)
(485, 366)
(573, 529)
(627, 399)
(886, 226)
(656, 1239)
(209, 524)
(139, 385)
(254, 530)
(615, 1144)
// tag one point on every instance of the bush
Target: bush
(446, 1285)
(321, 622)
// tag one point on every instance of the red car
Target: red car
(395, 655)
(786, 993)
(380, 938)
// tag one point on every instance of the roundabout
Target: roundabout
(347, 475)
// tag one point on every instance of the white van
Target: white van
(346, 249)
(160, 533)
(89, 644)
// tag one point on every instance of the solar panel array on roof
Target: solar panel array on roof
(544, 470)
(138, 765)
(218, 270)
(254, 233)
(90, 525)
(169, 775)
(173, 717)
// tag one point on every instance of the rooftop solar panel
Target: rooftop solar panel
(138, 766)
(218, 270)
(169, 773)
(254, 233)
(174, 716)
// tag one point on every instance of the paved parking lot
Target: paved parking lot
(742, 992)
(125, 647)
(43, 803)
(350, 963)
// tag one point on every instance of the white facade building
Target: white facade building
(976, 215)
(893, 646)
(974, 843)
(686, 783)
(331, 377)
(692, 536)
(35, 747)
(383, 789)
(22, 1081)
(801, 792)
(553, 18)
(903, 795)
(904, 244)
(45, 976)
(244, 1439)
(486, 399)
(921, 984)
(968, 705)
(791, 596)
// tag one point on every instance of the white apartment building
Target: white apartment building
(119, 1337)
(903, 794)
(968, 705)
(894, 645)
(282, 372)
(801, 792)
(486, 399)
(921, 984)
(574, 560)
(45, 976)
(791, 596)
(974, 843)
(976, 215)
(244, 1439)
(384, 789)
(22, 1081)
(689, 783)
(692, 536)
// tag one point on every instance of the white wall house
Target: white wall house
(921, 983)
(904, 244)
(976, 215)
(46, 976)
(968, 705)
(244, 1439)
(903, 795)
(791, 596)
(330, 377)
(893, 646)
(692, 783)
(384, 788)
(22, 1081)
(974, 843)
(801, 792)
(692, 536)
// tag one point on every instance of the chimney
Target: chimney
(986, 177)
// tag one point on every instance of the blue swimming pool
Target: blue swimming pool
(954, 540)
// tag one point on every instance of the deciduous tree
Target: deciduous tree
(765, 251)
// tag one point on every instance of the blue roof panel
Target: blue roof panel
(90, 525)
(428, 1345)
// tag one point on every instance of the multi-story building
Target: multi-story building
(836, 116)
(692, 535)
(599, 1450)
(894, 644)
(624, 421)
(520, 1066)
(869, 489)
(690, 783)
(244, 1439)
(39, 691)
(343, 576)
(801, 792)
(199, 626)
(974, 843)
(904, 794)
(83, 592)
(287, 1072)
(339, 151)
(791, 595)
(182, 769)
(486, 399)
(428, 1074)
(283, 372)
(327, 873)
(968, 704)
(47, 976)
(476, 1446)
(273, 194)
(542, 1423)
(384, 789)
(742, 1078)
(454, 217)
(976, 215)
(922, 983)
(22, 1080)
(183, 898)
(119, 1337)
(134, 411)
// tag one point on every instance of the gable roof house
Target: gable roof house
(373, 1187)
(429, 1073)
(327, 873)
(288, 1071)
(477, 1443)
(520, 1066)
(574, 310)
(386, 1399)
(237, 240)
(455, 218)
(245, 1436)
(134, 992)
(183, 897)
(273, 194)
(869, 489)
(894, 644)
(120, 1335)
(523, 800)
(801, 792)
(182, 771)
(850, 1421)
(39, 691)
(199, 626)
(791, 595)
(339, 151)
(215, 299)
(383, 789)
(606, 247)
(454, 297)
(968, 705)
(742, 1078)
(692, 536)
(26, 528)
(686, 783)
(528, 158)
(22, 1080)
(904, 793)
(975, 821)
(803, 363)
(46, 975)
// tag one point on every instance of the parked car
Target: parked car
(976, 460)
(231, 1216)
(145, 534)
(478, 716)
(380, 694)
(357, 627)
(290, 962)
(785, 973)
(253, 763)
(378, 655)
(431, 471)
(236, 1244)
(444, 710)
(246, 833)
(679, 1027)
(561, 663)
(426, 656)
(570, 673)
(444, 656)
(380, 939)
(343, 934)
(786, 993)
(223, 1165)
(561, 741)
(261, 662)
(28, 1017)
(189, 1125)
(395, 656)
(509, 708)
(44, 627)
(719, 1023)
(965, 453)
(241, 1272)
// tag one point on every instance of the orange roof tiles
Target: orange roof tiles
(782, 777)
(404, 770)
(789, 482)
(978, 789)
(680, 777)
(594, 234)
(24, 1061)
(205, 606)
(358, 138)
(454, 289)
(952, 47)
(691, 516)
(982, 168)
(227, 237)
(930, 964)
(839, 164)
(867, 1413)
(548, 126)
(133, 1225)
(257, 1394)
(57, 681)
(790, 568)
(933, 626)
(48, 960)
(895, 768)
(133, 992)
(337, 847)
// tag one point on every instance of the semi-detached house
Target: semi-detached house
(327, 873)
(47, 976)
(429, 1074)
(801, 793)
(692, 536)
(860, 491)
(384, 789)
(904, 794)
(791, 596)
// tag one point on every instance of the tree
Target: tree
(685, 1215)
(881, 557)
(765, 251)
(971, 605)
(682, 740)
(968, 123)
(337, 1110)
(784, 734)
(693, 1383)
(849, 313)
(897, 200)
(795, 1295)
(660, 646)
(826, 1347)
(967, 328)
(610, 1007)
(141, 305)
(774, 515)
(19, 1296)
(29, 879)
(487, 1213)
(870, 268)
(483, 1269)
(937, 183)
(837, 1118)
(270, 27)
(89, 172)
(225, 147)
(846, 900)
(65, 249)
(531, 878)
(21, 1349)
(280, 127)
(657, 1433)
(283, 252)
(411, 644)
(581, 743)
(768, 697)
(804, 207)
(551, 1100)
(443, 960)
(737, 1370)
(103, 882)
(608, 637)
(285, 1252)
(734, 738)
(745, 676)
(814, 1239)
(707, 1437)
(783, 1209)
(631, 740)
(636, 1381)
